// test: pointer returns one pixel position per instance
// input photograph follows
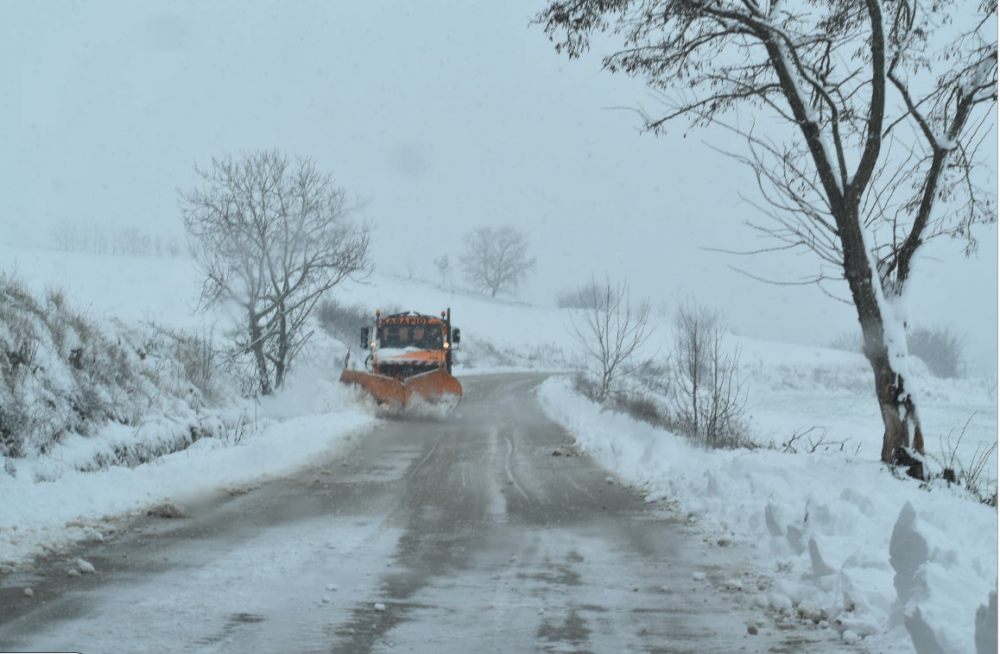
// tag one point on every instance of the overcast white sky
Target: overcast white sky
(442, 116)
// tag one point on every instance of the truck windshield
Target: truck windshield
(425, 337)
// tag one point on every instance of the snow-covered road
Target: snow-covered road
(486, 532)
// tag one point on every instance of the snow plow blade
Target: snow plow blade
(385, 390)
(436, 389)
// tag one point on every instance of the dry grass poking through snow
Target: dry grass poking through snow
(64, 375)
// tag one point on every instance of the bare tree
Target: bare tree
(611, 333)
(444, 268)
(272, 236)
(496, 259)
(872, 131)
(708, 395)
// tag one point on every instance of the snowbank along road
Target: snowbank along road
(484, 532)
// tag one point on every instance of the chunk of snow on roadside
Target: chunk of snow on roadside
(778, 600)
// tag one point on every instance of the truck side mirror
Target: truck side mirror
(364, 337)
(456, 336)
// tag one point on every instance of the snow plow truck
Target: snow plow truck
(409, 361)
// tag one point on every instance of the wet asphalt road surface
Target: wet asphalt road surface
(485, 532)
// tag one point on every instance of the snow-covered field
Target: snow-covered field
(819, 526)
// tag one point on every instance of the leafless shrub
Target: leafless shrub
(640, 406)
(585, 386)
(655, 376)
(197, 357)
(610, 333)
(973, 476)
(193, 355)
(708, 397)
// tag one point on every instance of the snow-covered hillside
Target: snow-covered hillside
(818, 526)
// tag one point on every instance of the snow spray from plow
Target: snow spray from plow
(410, 360)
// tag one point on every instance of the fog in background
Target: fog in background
(437, 118)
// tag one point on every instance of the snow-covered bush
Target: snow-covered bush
(64, 375)
(191, 357)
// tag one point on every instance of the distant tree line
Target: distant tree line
(97, 238)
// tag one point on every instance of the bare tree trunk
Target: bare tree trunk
(281, 358)
(696, 363)
(257, 347)
(896, 405)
